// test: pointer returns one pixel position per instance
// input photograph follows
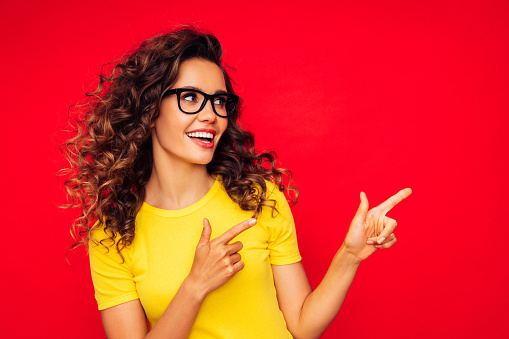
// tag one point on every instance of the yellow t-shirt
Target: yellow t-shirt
(162, 252)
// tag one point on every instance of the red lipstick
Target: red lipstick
(202, 137)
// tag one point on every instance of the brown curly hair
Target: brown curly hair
(110, 155)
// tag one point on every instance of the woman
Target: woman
(187, 225)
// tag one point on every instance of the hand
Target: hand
(217, 261)
(371, 229)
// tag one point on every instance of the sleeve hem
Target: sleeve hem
(117, 301)
(286, 261)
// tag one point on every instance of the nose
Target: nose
(207, 113)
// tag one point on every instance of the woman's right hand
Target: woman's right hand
(217, 261)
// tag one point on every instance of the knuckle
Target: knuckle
(230, 270)
(391, 223)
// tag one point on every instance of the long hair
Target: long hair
(110, 156)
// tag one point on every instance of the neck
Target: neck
(173, 185)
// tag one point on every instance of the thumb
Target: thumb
(205, 234)
(362, 211)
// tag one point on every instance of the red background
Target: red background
(353, 95)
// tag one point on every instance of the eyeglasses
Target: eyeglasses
(192, 101)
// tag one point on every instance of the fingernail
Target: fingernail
(369, 242)
(252, 222)
(380, 240)
(378, 246)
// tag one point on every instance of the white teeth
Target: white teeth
(200, 135)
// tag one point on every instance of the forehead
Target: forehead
(202, 74)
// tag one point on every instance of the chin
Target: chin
(203, 161)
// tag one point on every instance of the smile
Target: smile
(204, 136)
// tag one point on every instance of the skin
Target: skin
(308, 313)
(179, 179)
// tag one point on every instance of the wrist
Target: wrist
(347, 257)
(194, 290)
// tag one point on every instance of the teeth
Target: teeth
(200, 135)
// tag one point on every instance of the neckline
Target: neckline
(187, 210)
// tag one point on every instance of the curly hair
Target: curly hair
(110, 156)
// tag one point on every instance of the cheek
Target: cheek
(176, 123)
(223, 126)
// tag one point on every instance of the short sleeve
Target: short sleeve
(282, 243)
(113, 281)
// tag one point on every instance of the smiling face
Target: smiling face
(190, 138)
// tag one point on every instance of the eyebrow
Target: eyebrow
(199, 89)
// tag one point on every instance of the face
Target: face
(190, 138)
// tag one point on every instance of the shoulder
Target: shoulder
(272, 188)
(103, 242)
(273, 192)
(100, 234)
(276, 209)
(276, 195)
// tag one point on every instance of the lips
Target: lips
(202, 137)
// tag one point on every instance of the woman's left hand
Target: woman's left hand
(371, 229)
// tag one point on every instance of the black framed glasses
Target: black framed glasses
(192, 101)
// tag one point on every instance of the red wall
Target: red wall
(353, 95)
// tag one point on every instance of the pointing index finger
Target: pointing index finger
(227, 236)
(388, 204)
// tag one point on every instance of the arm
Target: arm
(128, 320)
(308, 313)
(215, 263)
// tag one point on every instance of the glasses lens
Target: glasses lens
(225, 104)
(190, 101)
(231, 103)
(222, 105)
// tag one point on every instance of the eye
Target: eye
(220, 101)
(189, 96)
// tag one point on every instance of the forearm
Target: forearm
(179, 316)
(323, 304)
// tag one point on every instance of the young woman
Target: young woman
(187, 226)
